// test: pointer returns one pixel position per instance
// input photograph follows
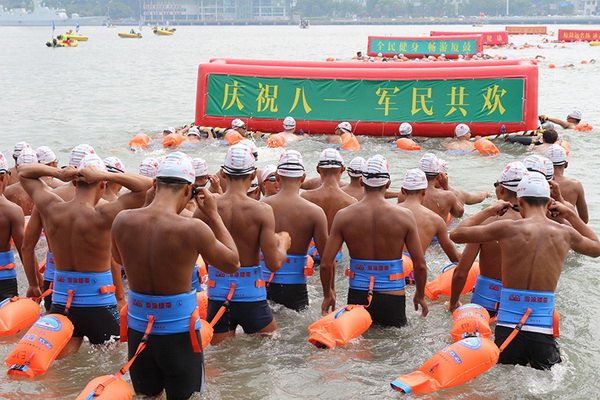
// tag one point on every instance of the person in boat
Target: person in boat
(534, 249)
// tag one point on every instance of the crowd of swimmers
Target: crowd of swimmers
(156, 223)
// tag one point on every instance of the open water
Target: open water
(108, 89)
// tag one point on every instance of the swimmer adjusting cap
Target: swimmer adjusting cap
(443, 166)
(512, 174)
(268, 170)
(405, 129)
(461, 130)
(376, 171)
(45, 155)
(533, 185)
(575, 114)
(200, 166)
(429, 164)
(239, 160)
(355, 168)
(291, 164)
(289, 123)
(415, 179)
(537, 163)
(3, 164)
(557, 154)
(345, 126)
(177, 165)
(253, 185)
(18, 147)
(149, 167)
(113, 164)
(27, 156)
(238, 123)
(79, 152)
(92, 160)
(330, 158)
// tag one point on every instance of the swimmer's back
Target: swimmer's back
(330, 199)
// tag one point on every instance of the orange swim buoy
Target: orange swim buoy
(139, 141)
(202, 271)
(202, 298)
(39, 347)
(106, 387)
(485, 146)
(330, 59)
(407, 144)
(349, 142)
(583, 127)
(172, 140)
(565, 145)
(340, 326)
(551, 66)
(452, 366)
(584, 61)
(443, 283)
(275, 141)
(407, 264)
(16, 314)
(233, 137)
(206, 333)
(470, 320)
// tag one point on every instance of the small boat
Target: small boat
(163, 32)
(130, 35)
(65, 43)
(304, 24)
(79, 38)
(594, 43)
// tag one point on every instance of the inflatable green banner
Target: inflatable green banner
(437, 46)
(454, 100)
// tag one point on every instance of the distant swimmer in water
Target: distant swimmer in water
(533, 252)
(549, 137)
(289, 128)
(368, 228)
(489, 282)
(11, 227)
(194, 135)
(462, 144)
(573, 119)
(344, 137)
(359, 56)
(158, 249)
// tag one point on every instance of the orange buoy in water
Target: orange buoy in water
(452, 366)
(202, 271)
(443, 283)
(583, 127)
(233, 137)
(172, 140)
(202, 304)
(139, 141)
(471, 320)
(39, 347)
(551, 66)
(584, 61)
(349, 142)
(407, 144)
(275, 141)
(565, 145)
(330, 59)
(485, 146)
(340, 326)
(106, 387)
(16, 314)
(206, 333)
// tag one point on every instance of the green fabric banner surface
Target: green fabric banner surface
(423, 46)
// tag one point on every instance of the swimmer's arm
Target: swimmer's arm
(564, 124)
(469, 231)
(413, 245)
(445, 242)
(41, 194)
(390, 195)
(311, 184)
(115, 269)
(472, 198)
(320, 233)
(459, 278)
(581, 204)
(30, 262)
(327, 268)
(17, 227)
(584, 241)
(137, 184)
(273, 245)
(457, 209)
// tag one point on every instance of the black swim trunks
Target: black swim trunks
(47, 299)
(252, 316)
(8, 288)
(99, 324)
(540, 350)
(168, 362)
(294, 296)
(385, 309)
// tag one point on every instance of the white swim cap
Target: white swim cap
(443, 166)
(268, 170)
(170, 129)
(379, 54)
(345, 126)
(149, 167)
(376, 171)
(193, 131)
(3, 164)
(557, 154)
(45, 155)
(289, 123)
(291, 164)
(92, 160)
(429, 164)
(177, 165)
(533, 185)
(200, 166)
(238, 123)
(355, 168)
(18, 147)
(415, 179)
(575, 114)
(239, 160)
(79, 152)
(511, 175)
(253, 185)
(251, 146)
(27, 156)
(461, 130)
(330, 158)
(401, 55)
(113, 164)
(405, 129)
(537, 163)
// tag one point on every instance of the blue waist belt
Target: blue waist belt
(50, 267)
(250, 285)
(7, 265)
(293, 271)
(196, 279)
(91, 289)
(514, 303)
(314, 253)
(486, 292)
(171, 313)
(389, 274)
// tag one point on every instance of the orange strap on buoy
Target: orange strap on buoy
(555, 324)
(221, 311)
(123, 325)
(517, 329)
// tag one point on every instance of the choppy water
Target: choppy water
(108, 89)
